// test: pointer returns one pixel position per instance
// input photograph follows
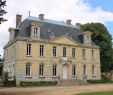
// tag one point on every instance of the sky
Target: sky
(79, 11)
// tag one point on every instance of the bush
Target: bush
(5, 79)
(99, 81)
(38, 83)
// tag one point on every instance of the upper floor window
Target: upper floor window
(83, 54)
(41, 69)
(92, 54)
(28, 69)
(64, 52)
(35, 31)
(84, 70)
(54, 70)
(73, 52)
(73, 70)
(41, 50)
(54, 51)
(28, 49)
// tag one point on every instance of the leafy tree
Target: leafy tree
(2, 11)
(102, 38)
(1, 65)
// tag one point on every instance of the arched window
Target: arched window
(41, 70)
(28, 69)
(54, 70)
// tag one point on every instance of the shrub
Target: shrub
(5, 79)
(38, 83)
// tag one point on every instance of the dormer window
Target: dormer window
(87, 38)
(35, 30)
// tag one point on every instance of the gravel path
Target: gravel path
(56, 90)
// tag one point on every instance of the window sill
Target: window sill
(41, 76)
(74, 76)
(93, 75)
(28, 77)
(54, 76)
(28, 55)
(42, 56)
(83, 58)
(92, 59)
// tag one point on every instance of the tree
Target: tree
(1, 65)
(2, 11)
(102, 38)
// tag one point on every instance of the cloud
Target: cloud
(77, 10)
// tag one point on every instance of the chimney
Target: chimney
(68, 21)
(78, 25)
(41, 16)
(18, 19)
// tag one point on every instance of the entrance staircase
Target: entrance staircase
(71, 82)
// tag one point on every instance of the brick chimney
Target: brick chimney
(41, 16)
(18, 19)
(68, 22)
(78, 25)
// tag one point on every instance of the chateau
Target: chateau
(40, 49)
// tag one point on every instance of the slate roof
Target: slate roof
(50, 28)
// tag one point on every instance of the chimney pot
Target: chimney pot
(68, 21)
(18, 20)
(41, 16)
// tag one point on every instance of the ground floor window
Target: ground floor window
(41, 69)
(28, 69)
(84, 70)
(54, 70)
(93, 70)
(74, 70)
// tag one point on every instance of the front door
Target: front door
(64, 71)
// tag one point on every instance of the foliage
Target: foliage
(96, 93)
(5, 79)
(2, 11)
(102, 38)
(37, 83)
(1, 66)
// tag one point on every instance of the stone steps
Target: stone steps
(71, 82)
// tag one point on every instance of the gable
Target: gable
(65, 40)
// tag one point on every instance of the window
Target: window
(74, 70)
(83, 54)
(41, 50)
(92, 54)
(28, 49)
(41, 69)
(64, 52)
(54, 70)
(54, 51)
(28, 69)
(84, 70)
(93, 70)
(73, 52)
(35, 31)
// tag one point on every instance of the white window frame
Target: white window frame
(26, 70)
(84, 70)
(92, 54)
(41, 50)
(83, 53)
(41, 70)
(64, 52)
(73, 52)
(54, 51)
(54, 70)
(93, 70)
(74, 70)
(28, 49)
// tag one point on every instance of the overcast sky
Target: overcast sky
(81, 11)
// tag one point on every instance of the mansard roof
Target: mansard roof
(50, 28)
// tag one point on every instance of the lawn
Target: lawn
(97, 93)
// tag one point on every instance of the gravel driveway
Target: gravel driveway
(56, 90)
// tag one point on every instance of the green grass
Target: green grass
(96, 93)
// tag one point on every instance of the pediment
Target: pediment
(65, 40)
